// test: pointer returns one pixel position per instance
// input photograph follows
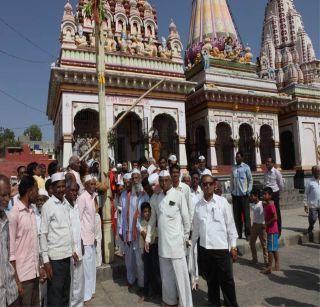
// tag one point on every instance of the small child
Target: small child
(146, 257)
(258, 228)
(98, 236)
(270, 216)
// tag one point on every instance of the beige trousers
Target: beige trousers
(258, 230)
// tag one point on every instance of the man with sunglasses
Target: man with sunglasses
(172, 217)
(213, 223)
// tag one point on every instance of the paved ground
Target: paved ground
(296, 285)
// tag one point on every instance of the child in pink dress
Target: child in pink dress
(270, 215)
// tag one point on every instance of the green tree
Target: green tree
(34, 132)
(7, 139)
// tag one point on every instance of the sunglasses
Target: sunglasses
(208, 184)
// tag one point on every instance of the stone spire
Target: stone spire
(68, 27)
(210, 19)
(286, 43)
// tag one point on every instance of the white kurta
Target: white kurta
(130, 230)
(172, 215)
(77, 271)
(185, 189)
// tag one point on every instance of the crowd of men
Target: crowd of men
(171, 227)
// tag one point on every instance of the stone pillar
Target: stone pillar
(277, 152)
(149, 154)
(67, 149)
(258, 159)
(212, 156)
(182, 153)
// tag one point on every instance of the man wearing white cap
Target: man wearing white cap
(202, 167)
(77, 271)
(172, 160)
(56, 243)
(172, 216)
(87, 212)
(130, 229)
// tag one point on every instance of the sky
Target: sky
(39, 21)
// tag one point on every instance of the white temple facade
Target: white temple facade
(136, 59)
(214, 101)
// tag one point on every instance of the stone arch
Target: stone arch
(309, 151)
(150, 26)
(129, 140)
(201, 141)
(287, 150)
(86, 124)
(267, 145)
(166, 127)
(121, 22)
(224, 144)
(247, 145)
(135, 25)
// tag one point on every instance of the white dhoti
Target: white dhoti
(89, 265)
(175, 282)
(134, 264)
(77, 284)
(98, 254)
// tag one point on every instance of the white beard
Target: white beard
(136, 188)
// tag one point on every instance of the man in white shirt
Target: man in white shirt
(273, 179)
(312, 199)
(182, 187)
(56, 243)
(74, 165)
(202, 167)
(213, 223)
(77, 271)
(172, 217)
(196, 192)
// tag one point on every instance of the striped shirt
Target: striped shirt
(8, 286)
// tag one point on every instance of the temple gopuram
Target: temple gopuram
(216, 99)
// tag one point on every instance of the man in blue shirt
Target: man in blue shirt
(241, 186)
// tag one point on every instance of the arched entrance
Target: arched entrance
(201, 141)
(86, 132)
(86, 124)
(166, 127)
(287, 151)
(224, 144)
(129, 140)
(266, 143)
(247, 145)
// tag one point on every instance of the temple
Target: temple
(215, 100)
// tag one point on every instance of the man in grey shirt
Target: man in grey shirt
(8, 286)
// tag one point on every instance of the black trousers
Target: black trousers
(314, 214)
(219, 274)
(276, 199)
(152, 277)
(241, 206)
(59, 285)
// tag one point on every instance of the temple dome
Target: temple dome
(210, 18)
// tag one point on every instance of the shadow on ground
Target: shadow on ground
(280, 301)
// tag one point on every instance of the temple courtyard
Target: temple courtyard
(297, 284)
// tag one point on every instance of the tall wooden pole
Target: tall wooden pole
(108, 238)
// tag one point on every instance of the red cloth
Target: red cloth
(269, 212)
(112, 182)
